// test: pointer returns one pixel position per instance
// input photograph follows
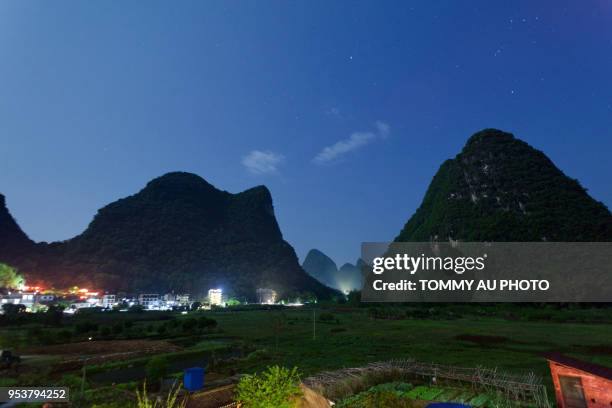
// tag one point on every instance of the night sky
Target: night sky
(344, 109)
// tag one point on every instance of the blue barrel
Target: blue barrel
(193, 379)
(447, 405)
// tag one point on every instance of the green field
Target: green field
(245, 341)
(358, 339)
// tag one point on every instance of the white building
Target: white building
(183, 299)
(109, 301)
(13, 298)
(215, 297)
(149, 300)
(21, 298)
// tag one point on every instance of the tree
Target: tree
(13, 309)
(232, 302)
(54, 314)
(136, 309)
(9, 278)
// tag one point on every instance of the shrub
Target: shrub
(156, 369)
(327, 317)
(64, 336)
(72, 381)
(277, 387)
(206, 323)
(117, 328)
(172, 399)
(85, 327)
(136, 309)
(189, 324)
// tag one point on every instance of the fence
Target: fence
(525, 387)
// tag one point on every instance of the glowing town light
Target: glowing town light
(215, 297)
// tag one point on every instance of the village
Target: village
(34, 299)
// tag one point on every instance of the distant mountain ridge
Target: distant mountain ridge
(321, 267)
(499, 188)
(178, 233)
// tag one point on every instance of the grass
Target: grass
(366, 340)
(471, 336)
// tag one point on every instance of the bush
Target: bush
(156, 369)
(327, 317)
(72, 381)
(64, 336)
(277, 387)
(85, 327)
(189, 324)
(136, 309)
(206, 323)
(117, 328)
(105, 331)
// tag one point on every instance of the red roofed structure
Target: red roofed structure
(579, 384)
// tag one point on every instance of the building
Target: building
(266, 296)
(183, 299)
(13, 298)
(109, 301)
(45, 297)
(21, 298)
(215, 297)
(149, 300)
(579, 384)
(170, 299)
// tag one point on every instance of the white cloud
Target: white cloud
(355, 141)
(259, 162)
(383, 128)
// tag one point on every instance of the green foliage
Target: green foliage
(72, 381)
(172, 399)
(11, 309)
(206, 323)
(85, 327)
(9, 277)
(277, 387)
(232, 302)
(156, 369)
(189, 324)
(136, 309)
(54, 314)
(327, 317)
(354, 297)
(501, 189)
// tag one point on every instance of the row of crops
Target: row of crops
(405, 395)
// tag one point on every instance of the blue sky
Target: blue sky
(344, 109)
